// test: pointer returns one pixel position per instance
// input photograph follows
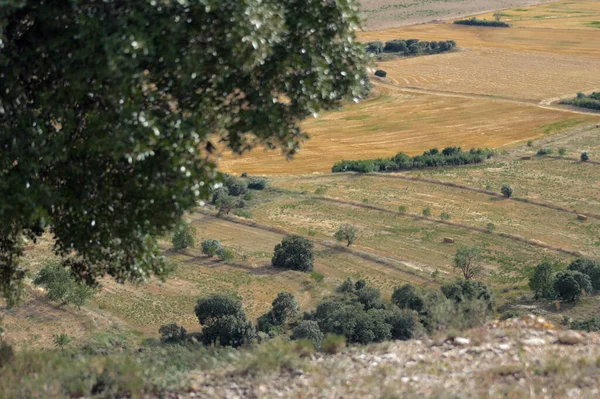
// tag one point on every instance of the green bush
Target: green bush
(219, 193)
(468, 290)
(445, 216)
(216, 306)
(333, 344)
(225, 254)
(408, 297)
(506, 190)
(589, 267)
(284, 308)
(571, 285)
(584, 157)
(210, 247)
(426, 211)
(589, 325)
(490, 227)
(381, 73)
(308, 329)
(374, 47)
(61, 286)
(184, 236)
(235, 186)
(257, 183)
(243, 213)
(468, 261)
(562, 151)
(542, 281)
(228, 331)
(172, 333)
(61, 340)
(544, 151)
(405, 325)
(370, 298)
(530, 143)
(226, 204)
(347, 286)
(592, 101)
(295, 253)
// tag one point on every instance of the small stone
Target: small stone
(570, 337)
(533, 342)
(460, 341)
(504, 347)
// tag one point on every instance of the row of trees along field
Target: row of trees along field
(591, 101)
(410, 47)
(482, 22)
(449, 156)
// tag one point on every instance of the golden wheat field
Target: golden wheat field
(499, 89)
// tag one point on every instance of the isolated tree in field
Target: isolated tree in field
(468, 261)
(225, 204)
(346, 232)
(562, 151)
(498, 15)
(184, 235)
(295, 253)
(585, 157)
(211, 308)
(110, 110)
(506, 190)
(542, 281)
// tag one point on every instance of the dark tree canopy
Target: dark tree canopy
(295, 252)
(110, 110)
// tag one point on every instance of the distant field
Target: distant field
(498, 90)
(383, 14)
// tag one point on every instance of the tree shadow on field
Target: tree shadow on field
(265, 269)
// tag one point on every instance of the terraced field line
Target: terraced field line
(542, 104)
(447, 223)
(482, 191)
(364, 252)
(571, 159)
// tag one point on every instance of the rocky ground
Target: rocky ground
(526, 357)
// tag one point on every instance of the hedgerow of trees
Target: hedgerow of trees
(449, 156)
(109, 112)
(591, 101)
(410, 47)
(482, 22)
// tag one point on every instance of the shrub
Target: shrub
(172, 333)
(219, 193)
(318, 277)
(225, 254)
(468, 290)
(371, 326)
(226, 204)
(295, 253)
(445, 216)
(360, 284)
(570, 285)
(592, 101)
(308, 329)
(530, 143)
(427, 211)
(405, 325)
(381, 73)
(370, 298)
(544, 151)
(61, 286)
(542, 281)
(236, 186)
(584, 157)
(228, 331)
(506, 190)
(395, 46)
(589, 325)
(243, 213)
(588, 267)
(562, 151)
(408, 297)
(61, 340)
(256, 183)
(347, 286)
(346, 232)
(490, 227)
(468, 261)
(216, 306)
(402, 209)
(184, 235)
(374, 47)
(333, 344)
(210, 247)
(284, 308)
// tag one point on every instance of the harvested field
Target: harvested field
(384, 14)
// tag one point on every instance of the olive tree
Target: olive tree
(506, 190)
(468, 261)
(346, 232)
(542, 281)
(111, 113)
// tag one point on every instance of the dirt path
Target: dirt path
(544, 104)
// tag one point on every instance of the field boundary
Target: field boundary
(364, 253)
